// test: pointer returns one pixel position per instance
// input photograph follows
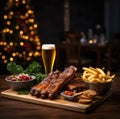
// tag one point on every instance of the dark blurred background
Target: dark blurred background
(84, 14)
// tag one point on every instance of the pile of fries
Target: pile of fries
(96, 75)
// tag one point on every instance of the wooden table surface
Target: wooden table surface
(13, 109)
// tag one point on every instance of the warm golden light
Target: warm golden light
(25, 37)
(4, 31)
(5, 43)
(30, 11)
(11, 31)
(31, 28)
(90, 41)
(26, 15)
(28, 58)
(36, 53)
(11, 12)
(21, 32)
(35, 25)
(38, 47)
(30, 53)
(22, 17)
(1, 43)
(8, 23)
(23, 1)
(5, 61)
(3, 57)
(21, 43)
(38, 43)
(31, 20)
(31, 39)
(5, 16)
(37, 39)
(11, 59)
(7, 29)
(32, 32)
(13, 54)
(11, 43)
(17, 27)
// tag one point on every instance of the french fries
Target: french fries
(96, 75)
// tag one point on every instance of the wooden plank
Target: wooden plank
(59, 103)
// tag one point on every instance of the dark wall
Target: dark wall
(49, 14)
(112, 16)
(84, 14)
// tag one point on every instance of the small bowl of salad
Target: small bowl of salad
(20, 81)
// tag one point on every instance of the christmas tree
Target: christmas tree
(19, 40)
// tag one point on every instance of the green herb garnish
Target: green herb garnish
(12, 67)
(40, 76)
(33, 69)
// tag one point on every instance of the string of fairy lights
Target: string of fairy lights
(26, 45)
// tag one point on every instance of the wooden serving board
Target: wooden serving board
(59, 103)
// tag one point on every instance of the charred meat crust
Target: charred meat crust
(53, 83)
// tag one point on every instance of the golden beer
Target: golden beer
(48, 56)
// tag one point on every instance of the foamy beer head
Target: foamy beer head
(48, 46)
(48, 56)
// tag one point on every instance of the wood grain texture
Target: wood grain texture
(14, 109)
(60, 102)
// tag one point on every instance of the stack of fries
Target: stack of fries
(96, 75)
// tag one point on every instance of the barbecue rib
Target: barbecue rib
(50, 86)
(37, 89)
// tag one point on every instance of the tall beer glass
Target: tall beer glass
(48, 56)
